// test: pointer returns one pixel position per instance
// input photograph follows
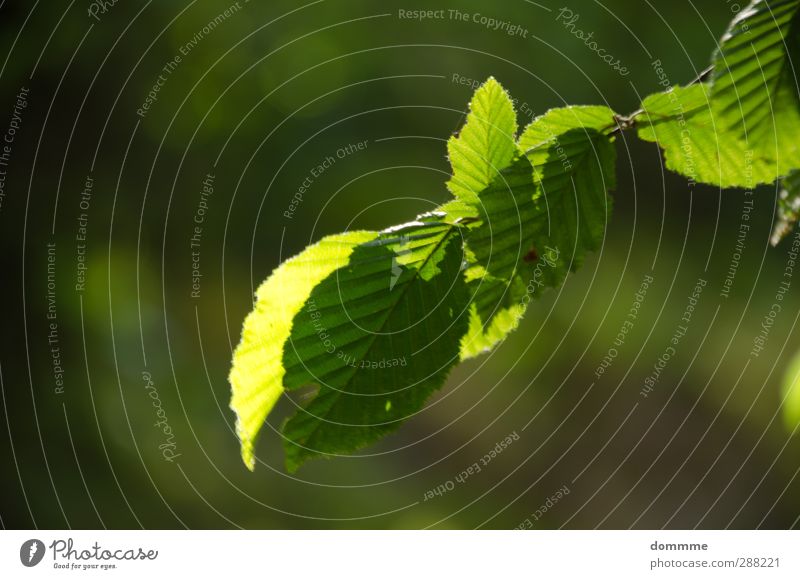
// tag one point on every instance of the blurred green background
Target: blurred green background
(260, 99)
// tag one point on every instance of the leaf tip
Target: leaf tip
(791, 394)
(292, 462)
(246, 444)
(249, 459)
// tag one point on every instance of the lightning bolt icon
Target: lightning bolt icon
(397, 270)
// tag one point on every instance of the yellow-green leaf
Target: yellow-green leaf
(257, 374)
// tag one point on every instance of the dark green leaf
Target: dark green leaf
(378, 336)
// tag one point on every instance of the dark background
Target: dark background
(259, 101)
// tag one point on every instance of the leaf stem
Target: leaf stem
(625, 122)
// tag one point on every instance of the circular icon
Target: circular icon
(31, 552)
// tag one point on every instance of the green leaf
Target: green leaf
(791, 394)
(496, 246)
(486, 144)
(377, 320)
(741, 129)
(574, 163)
(681, 122)
(497, 307)
(378, 336)
(539, 218)
(505, 208)
(788, 210)
(754, 86)
(257, 372)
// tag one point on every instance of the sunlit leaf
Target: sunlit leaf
(791, 394)
(755, 83)
(256, 376)
(486, 143)
(378, 336)
(788, 210)
(574, 162)
(694, 143)
(539, 218)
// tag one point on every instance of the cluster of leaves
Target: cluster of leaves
(378, 319)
